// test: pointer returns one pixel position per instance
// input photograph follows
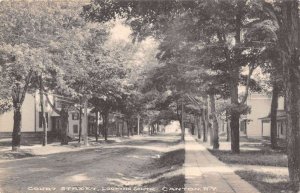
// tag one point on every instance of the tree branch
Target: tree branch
(51, 105)
(251, 69)
(195, 102)
(27, 81)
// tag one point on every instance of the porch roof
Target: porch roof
(281, 115)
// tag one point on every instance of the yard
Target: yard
(257, 163)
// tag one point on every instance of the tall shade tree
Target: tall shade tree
(288, 19)
(16, 79)
(284, 37)
(223, 22)
(26, 31)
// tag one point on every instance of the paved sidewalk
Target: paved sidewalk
(205, 173)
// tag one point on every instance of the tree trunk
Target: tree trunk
(151, 129)
(96, 125)
(16, 135)
(234, 83)
(131, 130)
(204, 126)
(211, 134)
(122, 128)
(182, 122)
(128, 127)
(210, 128)
(235, 133)
(290, 42)
(228, 131)
(198, 126)
(105, 124)
(293, 140)
(80, 123)
(141, 126)
(274, 107)
(64, 115)
(235, 115)
(193, 128)
(195, 123)
(206, 119)
(86, 122)
(43, 111)
(215, 126)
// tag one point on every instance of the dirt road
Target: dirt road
(145, 164)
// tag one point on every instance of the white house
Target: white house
(251, 124)
(31, 117)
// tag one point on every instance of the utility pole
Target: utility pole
(138, 119)
(85, 125)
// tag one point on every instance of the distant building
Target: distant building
(257, 122)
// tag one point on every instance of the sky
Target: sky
(120, 32)
(147, 49)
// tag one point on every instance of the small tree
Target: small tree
(17, 75)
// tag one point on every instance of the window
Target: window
(75, 116)
(41, 117)
(281, 128)
(75, 128)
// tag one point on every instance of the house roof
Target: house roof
(281, 115)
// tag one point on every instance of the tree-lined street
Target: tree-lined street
(88, 73)
(141, 164)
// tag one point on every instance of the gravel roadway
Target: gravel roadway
(115, 167)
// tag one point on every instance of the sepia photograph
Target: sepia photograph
(150, 96)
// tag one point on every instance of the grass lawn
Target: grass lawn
(257, 163)
(266, 181)
(246, 157)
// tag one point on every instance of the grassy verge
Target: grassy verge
(266, 182)
(165, 173)
(168, 185)
(15, 155)
(261, 158)
(258, 164)
(253, 152)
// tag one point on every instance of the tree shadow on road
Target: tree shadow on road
(162, 174)
(168, 185)
(111, 165)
